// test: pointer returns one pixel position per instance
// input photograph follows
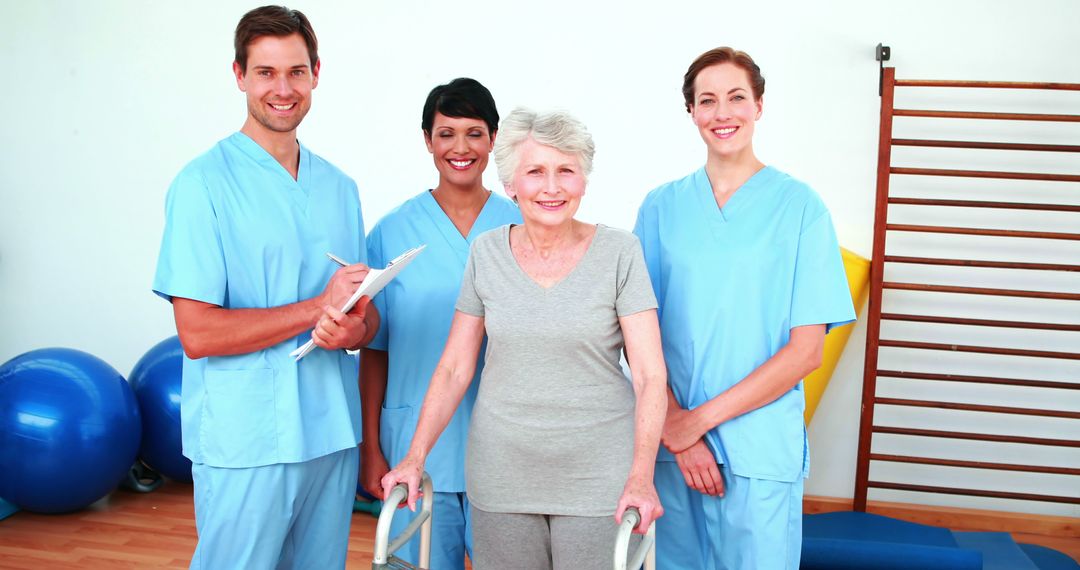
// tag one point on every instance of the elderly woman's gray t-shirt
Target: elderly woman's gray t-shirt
(553, 427)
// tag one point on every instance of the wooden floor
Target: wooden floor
(157, 530)
(129, 530)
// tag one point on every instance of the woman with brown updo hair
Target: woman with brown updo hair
(748, 277)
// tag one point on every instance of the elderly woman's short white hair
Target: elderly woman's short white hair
(556, 129)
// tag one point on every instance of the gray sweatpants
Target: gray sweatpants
(543, 542)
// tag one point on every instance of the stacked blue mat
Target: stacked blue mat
(864, 541)
(7, 509)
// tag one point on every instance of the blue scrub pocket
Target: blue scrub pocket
(396, 428)
(239, 419)
(769, 442)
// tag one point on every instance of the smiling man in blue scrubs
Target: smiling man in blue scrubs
(247, 225)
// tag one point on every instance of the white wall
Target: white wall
(106, 101)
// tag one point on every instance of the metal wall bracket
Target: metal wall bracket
(882, 54)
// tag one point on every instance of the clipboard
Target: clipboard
(374, 282)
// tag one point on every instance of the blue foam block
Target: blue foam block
(852, 540)
(999, 550)
(7, 509)
(866, 526)
(1048, 558)
(844, 554)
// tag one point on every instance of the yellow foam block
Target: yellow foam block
(858, 276)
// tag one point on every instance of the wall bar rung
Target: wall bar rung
(980, 263)
(928, 143)
(987, 84)
(973, 492)
(982, 291)
(974, 464)
(978, 436)
(985, 174)
(978, 408)
(986, 204)
(980, 322)
(980, 232)
(986, 115)
(980, 349)
(908, 375)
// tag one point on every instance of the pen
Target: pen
(337, 259)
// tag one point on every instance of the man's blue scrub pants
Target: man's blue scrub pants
(286, 515)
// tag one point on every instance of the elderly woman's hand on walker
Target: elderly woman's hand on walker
(640, 493)
(409, 472)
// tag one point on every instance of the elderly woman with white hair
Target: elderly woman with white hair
(559, 440)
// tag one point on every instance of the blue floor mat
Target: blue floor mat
(864, 541)
(999, 550)
(1048, 558)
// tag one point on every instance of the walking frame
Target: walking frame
(645, 552)
(384, 558)
(385, 548)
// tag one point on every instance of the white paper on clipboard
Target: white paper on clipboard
(375, 280)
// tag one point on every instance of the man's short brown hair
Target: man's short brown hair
(276, 21)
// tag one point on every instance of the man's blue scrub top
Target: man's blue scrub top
(731, 283)
(417, 308)
(241, 233)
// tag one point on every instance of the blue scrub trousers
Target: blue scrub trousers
(451, 532)
(286, 515)
(756, 525)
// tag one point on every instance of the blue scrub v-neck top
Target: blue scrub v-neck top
(417, 308)
(731, 283)
(241, 233)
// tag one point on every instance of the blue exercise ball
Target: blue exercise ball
(69, 430)
(156, 381)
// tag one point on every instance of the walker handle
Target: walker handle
(645, 552)
(384, 547)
